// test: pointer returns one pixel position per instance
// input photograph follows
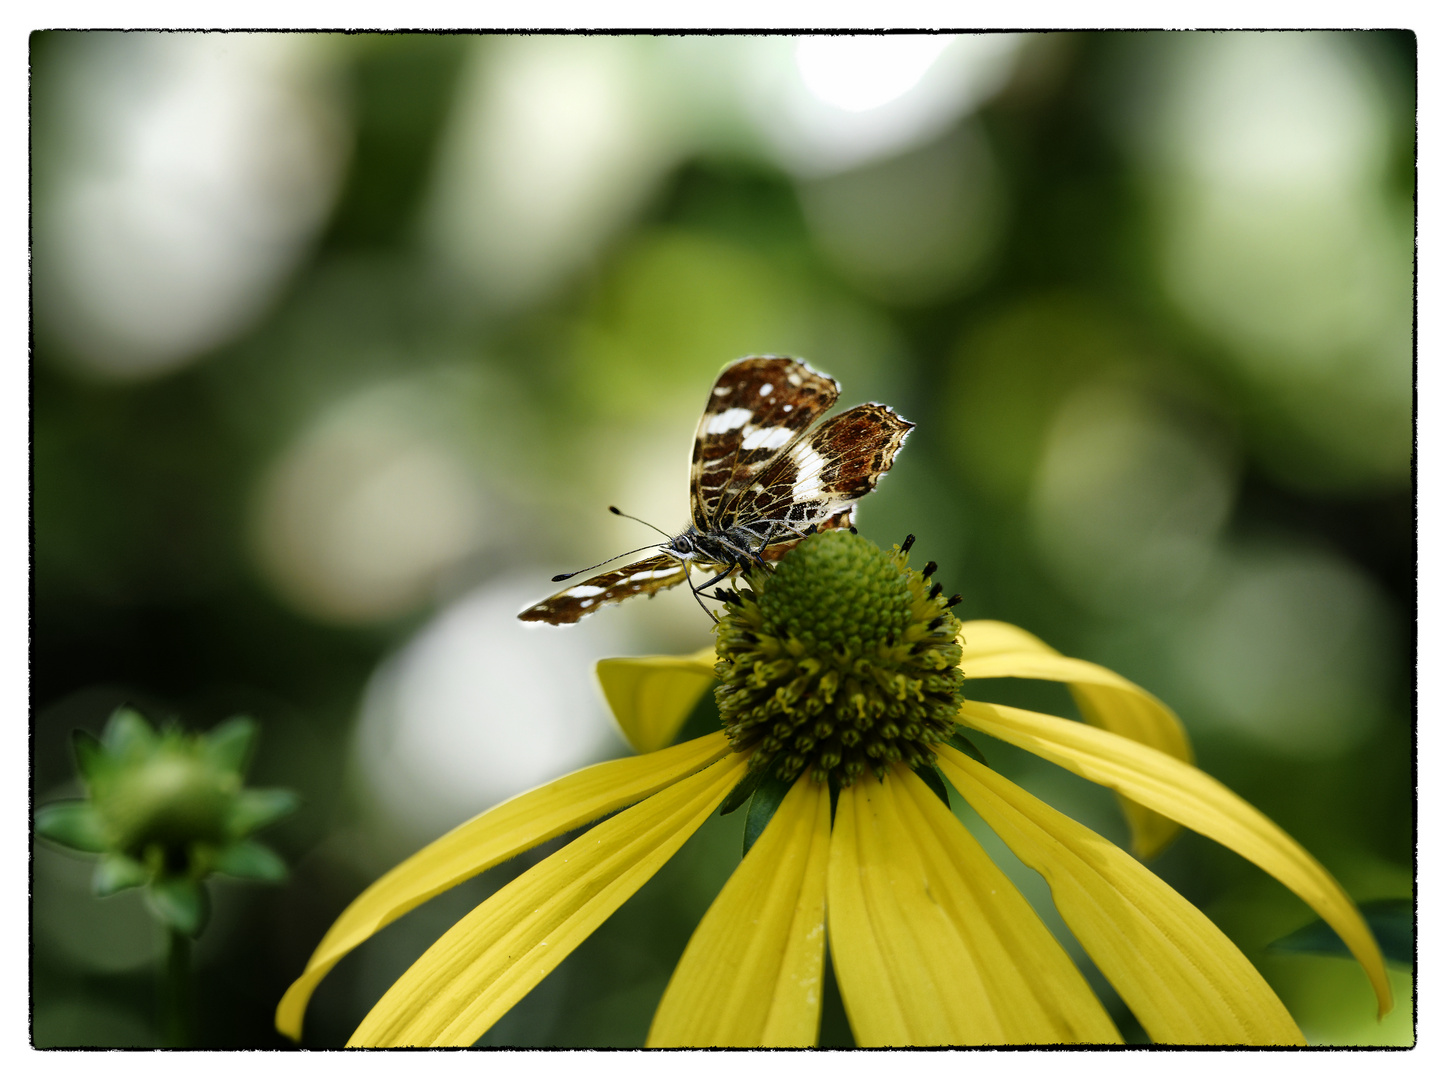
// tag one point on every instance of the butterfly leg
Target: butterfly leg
(732, 568)
(699, 588)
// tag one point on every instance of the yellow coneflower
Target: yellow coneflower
(840, 682)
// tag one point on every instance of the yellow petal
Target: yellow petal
(1034, 988)
(752, 974)
(487, 962)
(514, 826)
(1105, 700)
(1184, 980)
(651, 696)
(924, 957)
(983, 637)
(905, 977)
(1124, 708)
(1194, 799)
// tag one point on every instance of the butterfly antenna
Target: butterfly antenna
(639, 520)
(594, 566)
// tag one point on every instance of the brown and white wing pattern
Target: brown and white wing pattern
(756, 409)
(824, 473)
(764, 474)
(644, 577)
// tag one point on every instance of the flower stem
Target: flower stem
(176, 990)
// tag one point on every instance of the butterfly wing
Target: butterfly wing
(823, 474)
(756, 409)
(646, 576)
(758, 467)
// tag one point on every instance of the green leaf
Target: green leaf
(741, 791)
(228, 745)
(964, 746)
(935, 782)
(76, 824)
(180, 903)
(92, 758)
(256, 807)
(769, 794)
(1390, 921)
(117, 872)
(250, 859)
(128, 735)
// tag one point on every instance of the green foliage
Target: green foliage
(761, 808)
(1391, 921)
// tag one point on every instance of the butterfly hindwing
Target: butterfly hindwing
(645, 577)
(757, 408)
(826, 471)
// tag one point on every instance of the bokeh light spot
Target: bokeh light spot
(832, 104)
(478, 707)
(365, 512)
(863, 72)
(198, 167)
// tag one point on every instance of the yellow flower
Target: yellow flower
(836, 671)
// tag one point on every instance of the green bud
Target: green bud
(171, 799)
(165, 810)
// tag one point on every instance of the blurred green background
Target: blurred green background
(343, 344)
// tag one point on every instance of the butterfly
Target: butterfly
(763, 477)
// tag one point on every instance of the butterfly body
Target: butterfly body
(763, 476)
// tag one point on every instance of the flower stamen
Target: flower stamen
(843, 659)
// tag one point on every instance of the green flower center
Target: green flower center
(841, 659)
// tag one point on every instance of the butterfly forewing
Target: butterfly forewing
(644, 577)
(756, 409)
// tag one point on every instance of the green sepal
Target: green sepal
(964, 746)
(761, 807)
(250, 859)
(92, 758)
(128, 735)
(930, 775)
(180, 903)
(228, 745)
(741, 791)
(74, 824)
(1390, 921)
(253, 808)
(116, 872)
